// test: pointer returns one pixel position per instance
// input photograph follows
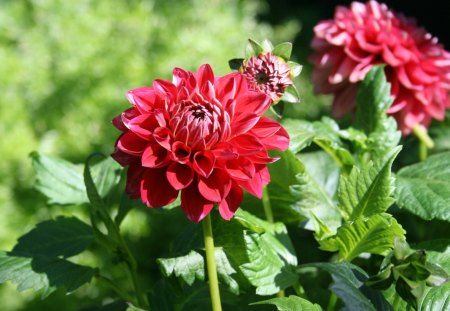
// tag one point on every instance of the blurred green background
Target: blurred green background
(65, 67)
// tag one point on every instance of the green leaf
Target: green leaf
(424, 188)
(397, 302)
(438, 252)
(373, 235)
(296, 69)
(269, 255)
(43, 274)
(235, 63)
(267, 45)
(436, 298)
(253, 49)
(283, 50)
(373, 100)
(60, 237)
(291, 303)
(348, 285)
(291, 95)
(189, 267)
(62, 182)
(367, 191)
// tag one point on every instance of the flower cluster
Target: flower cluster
(364, 35)
(201, 135)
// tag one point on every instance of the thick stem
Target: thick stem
(332, 302)
(211, 264)
(266, 205)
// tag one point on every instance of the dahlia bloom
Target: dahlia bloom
(202, 135)
(268, 74)
(364, 35)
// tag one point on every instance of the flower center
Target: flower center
(261, 78)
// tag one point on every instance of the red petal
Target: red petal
(247, 144)
(231, 203)
(143, 125)
(195, 206)
(256, 102)
(134, 177)
(143, 98)
(204, 162)
(163, 137)
(265, 127)
(131, 143)
(243, 122)
(204, 75)
(179, 175)
(278, 141)
(180, 152)
(155, 156)
(261, 178)
(216, 186)
(123, 158)
(156, 191)
(241, 168)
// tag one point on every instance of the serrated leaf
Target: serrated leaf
(424, 188)
(348, 284)
(42, 274)
(291, 303)
(235, 63)
(367, 191)
(283, 50)
(291, 95)
(267, 271)
(436, 298)
(373, 235)
(373, 99)
(189, 267)
(296, 69)
(64, 236)
(62, 182)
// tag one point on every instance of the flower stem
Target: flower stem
(211, 264)
(332, 302)
(266, 205)
(425, 140)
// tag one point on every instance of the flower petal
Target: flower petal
(231, 203)
(155, 156)
(193, 204)
(131, 143)
(216, 186)
(203, 162)
(156, 191)
(179, 175)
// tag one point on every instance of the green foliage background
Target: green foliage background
(65, 69)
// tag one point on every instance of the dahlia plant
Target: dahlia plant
(294, 214)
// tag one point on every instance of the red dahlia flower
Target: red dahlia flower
(268, 74)
(364, 35)
(202, 135)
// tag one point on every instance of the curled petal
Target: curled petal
(131, 143)
(216, 186)
(155, 156)
(229, 205)
(203, 162)
(241, 168)
(180, 152)
(179, 175)
(260, 179)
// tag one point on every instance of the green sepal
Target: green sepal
(235, 63)
(283, 50)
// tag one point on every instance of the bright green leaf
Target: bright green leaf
(296, 69)
(436, 298)
(291, 95)
(253, 49)
(60, 237)
(367, 191)
(283, 50)
(62, 182)
(373, 235)
(42, 274)
(189, 267)
(291, 303)
(424, 188)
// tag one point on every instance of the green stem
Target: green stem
(332, 302)
(109, 283)
(266, 205)
(211, 264)
(425, 140)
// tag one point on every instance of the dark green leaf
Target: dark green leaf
(367, 191)
(291, 303)
(348, 284)
(235, 63)
(42, 274)
(424, 188)
(373, 235)
(283, 50)
(60, 237)
(373, 99)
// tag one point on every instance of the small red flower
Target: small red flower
(268, 74)
(202, 135)
(364, 35)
